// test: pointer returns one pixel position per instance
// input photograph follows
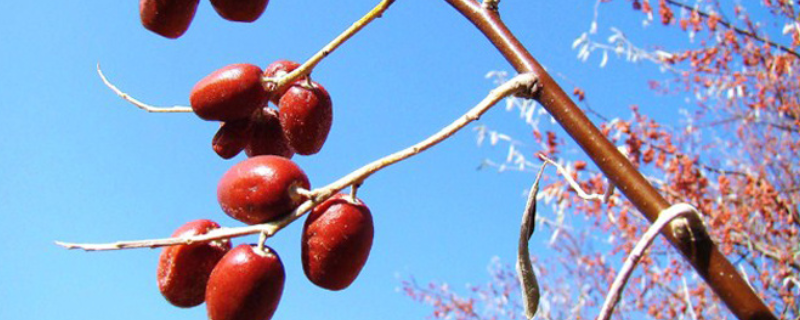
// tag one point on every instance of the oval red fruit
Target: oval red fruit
(230, 93)
(279, 69)
(266, 136)
(183, 270)
(306, 114)
(240, 10)
(246, 285)
(168, 18)
(337, 238)
(261, 189)
(231, 138)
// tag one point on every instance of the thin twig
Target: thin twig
(139, 104)
(636, 254)
(575, 186)
(272, 84)
(526, 81)
(688, 298)
(527, 278)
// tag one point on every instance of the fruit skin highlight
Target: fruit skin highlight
(240, 10)
(183, 270)
(337, 238)
(230, 93)
(247, 284)
(261, 189)
(168, 18)
(306, 114)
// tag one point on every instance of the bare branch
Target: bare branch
(305, 69)
(139, 104)
(665, 217)
(522, 82)
(575, 186)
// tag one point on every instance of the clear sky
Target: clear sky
(79, 164)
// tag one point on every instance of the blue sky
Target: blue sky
(79, 164)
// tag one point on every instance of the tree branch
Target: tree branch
(306, 68)
(521, 83)
(137, 103)
(695, 243)
(636, 254)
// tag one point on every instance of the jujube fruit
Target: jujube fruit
(240, 10)
(261, 189)
(168, 18)
(230, 93)
(267, 136)
(183, 270)
(231, 138)
(306, 114)
(337, 238)
(279, 69)
(246, 285)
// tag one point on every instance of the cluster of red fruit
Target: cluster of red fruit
(246, 283)
(171, 18)
(236, 95)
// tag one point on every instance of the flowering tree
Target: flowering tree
(735, 156)
(743, 209)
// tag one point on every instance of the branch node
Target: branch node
(492, 5)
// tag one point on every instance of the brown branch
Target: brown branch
(740, 31)
(694, 243)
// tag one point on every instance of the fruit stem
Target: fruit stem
(271, 84)
(354, 190)
(261, 239)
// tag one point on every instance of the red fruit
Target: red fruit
(261, 189)
(231, 138)
(266, 136)
(240, 10)
(246, 285)
(183, 270)
(169, 18)
(230, 93)
(279, 69)
(337, 237)
(306, 114)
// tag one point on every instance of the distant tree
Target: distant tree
(735, 155)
